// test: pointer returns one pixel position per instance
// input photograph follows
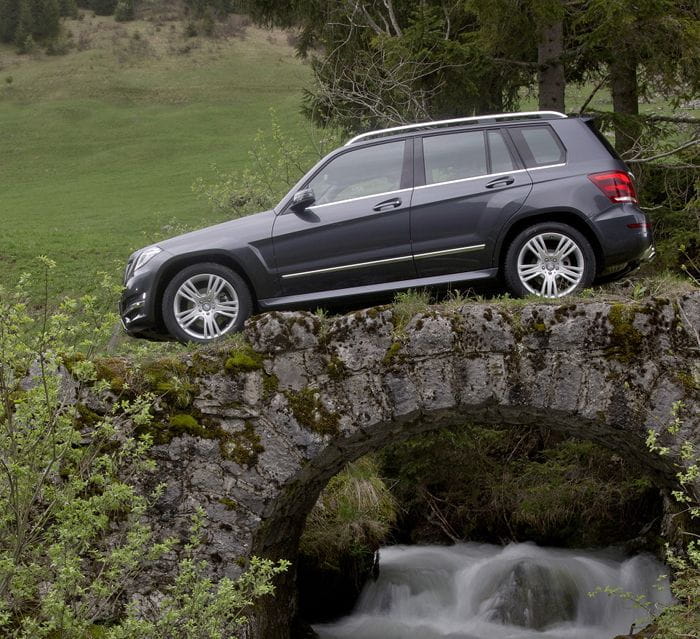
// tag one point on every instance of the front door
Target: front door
(357, 231)
(468, 184)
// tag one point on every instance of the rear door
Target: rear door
(357, 231)
(467, 184)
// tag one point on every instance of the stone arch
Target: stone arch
(311, 394)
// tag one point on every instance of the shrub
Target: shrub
(103, 7)
(353, 515)
(277, 161)
(124, 11)
(72, 531)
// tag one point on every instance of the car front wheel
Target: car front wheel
(549, 259)
(204, 302)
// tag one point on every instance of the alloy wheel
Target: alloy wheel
(206, 306)
(550, 265)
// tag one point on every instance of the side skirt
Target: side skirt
(335, 294)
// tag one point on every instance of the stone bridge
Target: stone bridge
(272, 420)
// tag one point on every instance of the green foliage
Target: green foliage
(353, 515)
(72, 522)
(124, 11)
(103, 7)
(407, 304)
(483, 483)
(21, 19)
(275, 163)
(61, 486)
(196, 607)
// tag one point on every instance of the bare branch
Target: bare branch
(673, 118)
(392, 16)
(658, 156)
(593, 93)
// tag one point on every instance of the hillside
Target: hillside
(100, 147)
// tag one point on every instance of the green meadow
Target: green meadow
(99, 148)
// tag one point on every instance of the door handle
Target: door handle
(503, 181)
(387, 204)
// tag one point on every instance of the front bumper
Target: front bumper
(138, 311)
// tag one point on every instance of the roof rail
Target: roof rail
(437, 123)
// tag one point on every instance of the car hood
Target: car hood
(243, 230)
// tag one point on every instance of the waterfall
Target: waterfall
(482, 591)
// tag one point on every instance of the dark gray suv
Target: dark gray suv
(539, 200)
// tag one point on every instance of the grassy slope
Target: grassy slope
(99, 148)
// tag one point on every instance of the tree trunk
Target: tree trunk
(550, 75)
(623, 84)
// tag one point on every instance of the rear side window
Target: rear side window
(454, 156)
(538, 145)
(501, 160)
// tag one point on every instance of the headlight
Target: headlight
(146, 256)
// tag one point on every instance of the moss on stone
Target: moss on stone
(309, 411)
(626, 341)
(270, 385)
(114, 370)
(243, 447)
(228, 503)
(392, 353)
(336, 368)
(689, 381)
(85, 418)
(243, 360)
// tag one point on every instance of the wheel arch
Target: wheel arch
(570, 218)
(174, 266)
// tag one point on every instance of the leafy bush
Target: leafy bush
(484, 483)
(103, 7)
(72, 531)
(683, 618)
(276, 163)
(124, 11)
(353, 515)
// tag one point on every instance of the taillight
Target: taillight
(616, 185)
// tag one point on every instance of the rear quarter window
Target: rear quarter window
(538, 145)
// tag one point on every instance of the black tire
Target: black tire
(536, 262)
(204, 302)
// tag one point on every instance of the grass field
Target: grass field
(99, 148)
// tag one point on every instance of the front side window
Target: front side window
(454, 156)
(359, 173)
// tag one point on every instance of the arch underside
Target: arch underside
(330, 391)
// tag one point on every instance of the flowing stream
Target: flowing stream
(481, 591)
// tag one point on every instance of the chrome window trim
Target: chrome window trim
(361, 197)
(547, 166)
(490, 175)
(388, 260)
(469, 179)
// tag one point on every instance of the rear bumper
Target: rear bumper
(626, 239)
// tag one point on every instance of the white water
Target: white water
(480, 591)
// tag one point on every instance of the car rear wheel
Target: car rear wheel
(204, 302)
(549, 259)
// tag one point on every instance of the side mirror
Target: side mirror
(303, 199)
